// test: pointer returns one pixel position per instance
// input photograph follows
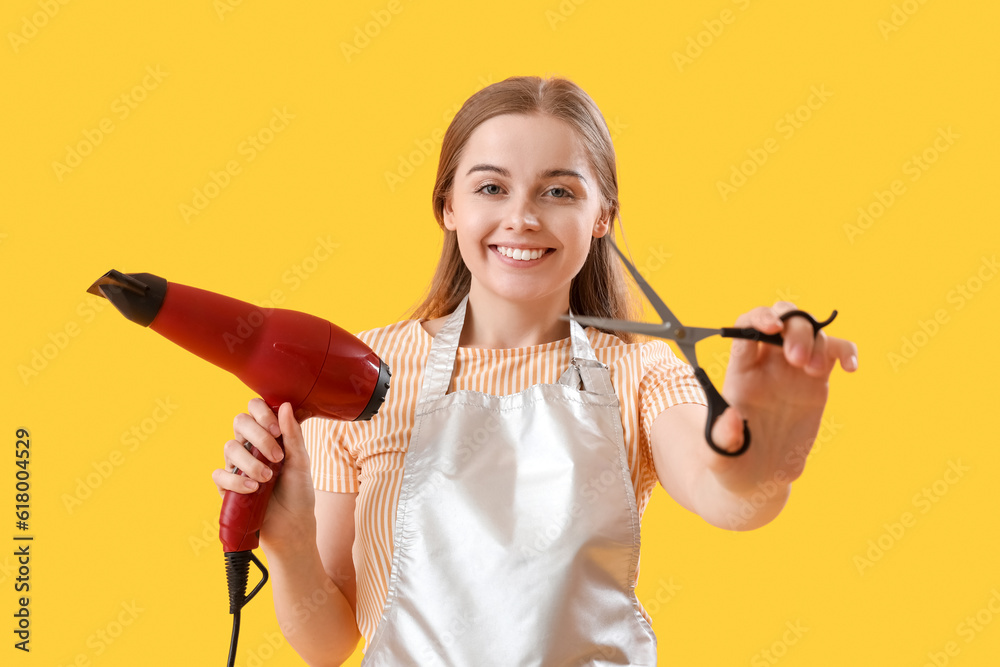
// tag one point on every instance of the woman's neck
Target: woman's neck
(492, 322)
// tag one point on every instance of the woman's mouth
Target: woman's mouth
(521, 254)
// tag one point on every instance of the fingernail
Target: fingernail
(275, 430)
(266, 474)
(250, 484)
(280, 455)
(852, 363)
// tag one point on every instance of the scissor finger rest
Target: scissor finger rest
(812, 320)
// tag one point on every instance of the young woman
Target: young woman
(489, 514)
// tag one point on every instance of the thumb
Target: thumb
(292, 438)
(727, 432)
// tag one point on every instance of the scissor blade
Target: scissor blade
(644, 328)
(661, 308)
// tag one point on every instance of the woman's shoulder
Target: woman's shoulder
(406, 336)
(397, 331)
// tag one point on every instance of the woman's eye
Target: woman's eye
(560, 193)
(490, 189)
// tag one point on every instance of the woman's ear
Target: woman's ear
(449, 215)
(602, 226)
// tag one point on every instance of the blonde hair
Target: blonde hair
(600, 288)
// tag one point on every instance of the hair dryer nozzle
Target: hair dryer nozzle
(137, 296)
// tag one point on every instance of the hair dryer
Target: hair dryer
(283, 355)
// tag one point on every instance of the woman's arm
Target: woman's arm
(781, 392)
(314, 586)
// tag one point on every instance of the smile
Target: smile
(522, 254)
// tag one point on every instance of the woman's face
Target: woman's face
(525, 204)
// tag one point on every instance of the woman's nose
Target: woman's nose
(522, 214)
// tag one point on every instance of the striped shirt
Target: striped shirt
(367, 457)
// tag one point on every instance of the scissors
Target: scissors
(686, 337)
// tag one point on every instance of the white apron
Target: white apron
(516, 537)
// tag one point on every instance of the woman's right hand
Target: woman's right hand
(290, 522)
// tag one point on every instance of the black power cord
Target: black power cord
(237, 575)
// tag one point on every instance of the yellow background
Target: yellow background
(142, 547)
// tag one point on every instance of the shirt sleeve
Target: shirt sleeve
(666, 381)
(332, 465)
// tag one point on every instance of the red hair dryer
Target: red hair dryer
(283, 355)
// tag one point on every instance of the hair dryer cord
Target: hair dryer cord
(237, 574)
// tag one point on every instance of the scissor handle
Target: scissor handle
(749, 333)
(716, 404)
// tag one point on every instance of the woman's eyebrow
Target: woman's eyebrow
(489, 167)
(564, 172)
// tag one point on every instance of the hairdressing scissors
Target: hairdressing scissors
(686, 337)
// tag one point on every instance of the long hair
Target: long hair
(600, 288)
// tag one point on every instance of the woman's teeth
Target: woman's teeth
(517, 253)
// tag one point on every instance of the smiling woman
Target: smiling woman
(489, 513)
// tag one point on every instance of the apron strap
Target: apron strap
(441, 360)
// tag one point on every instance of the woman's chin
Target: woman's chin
(522, 292)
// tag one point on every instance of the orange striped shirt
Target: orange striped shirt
(367, 457)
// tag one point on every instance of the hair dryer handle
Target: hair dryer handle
(243, 513)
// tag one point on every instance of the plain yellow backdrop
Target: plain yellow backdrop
(840, 155)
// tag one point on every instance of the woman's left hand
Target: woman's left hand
(781, 392)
